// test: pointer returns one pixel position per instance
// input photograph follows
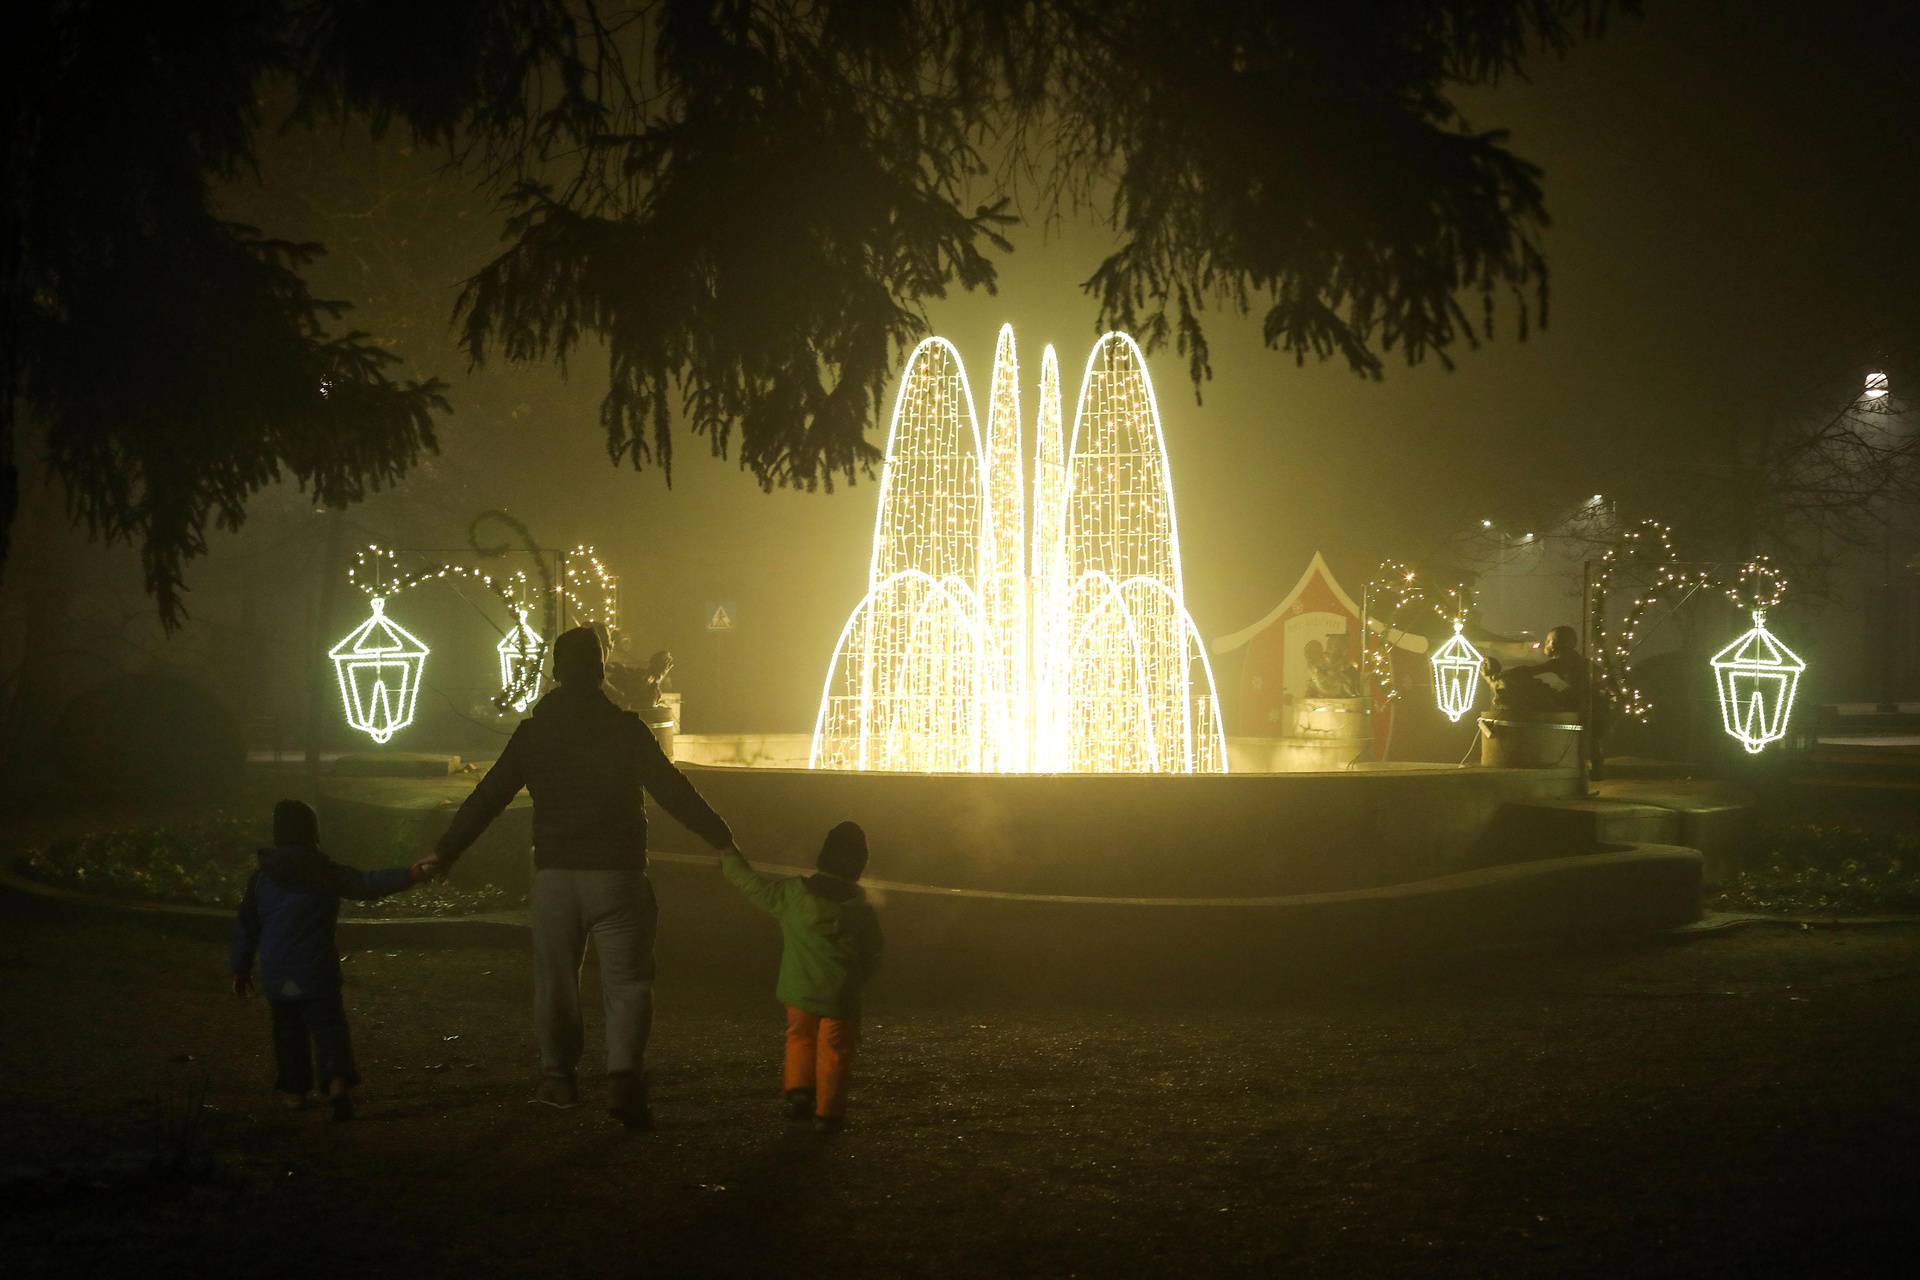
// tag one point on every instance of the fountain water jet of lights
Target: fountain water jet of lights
(974, 650)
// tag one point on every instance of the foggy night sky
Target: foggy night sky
(1729, 195)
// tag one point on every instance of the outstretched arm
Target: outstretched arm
(675, 793)
(493, 794)
(763, 891)
(365, 886)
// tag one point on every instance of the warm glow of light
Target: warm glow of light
(965, 654)
(1757, 678)
(1048, 570)
(908, 684)
(1003, 562)
(591, 591)
(1456, 675)
(1876, 386)
(379, 666)
(521, 660)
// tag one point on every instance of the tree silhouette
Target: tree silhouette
(175, 363)
(748, 204)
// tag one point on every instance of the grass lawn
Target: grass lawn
(1741, 1104)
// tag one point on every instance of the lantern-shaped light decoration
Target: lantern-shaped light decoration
(1757, 677)
(520, 663)
(1456, 675)
(379, 667)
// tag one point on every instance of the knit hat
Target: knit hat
(578, 657)
(295, 825)
(845, 852)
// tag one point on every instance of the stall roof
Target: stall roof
(1410, 641)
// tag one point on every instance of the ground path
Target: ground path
(1738, 1104)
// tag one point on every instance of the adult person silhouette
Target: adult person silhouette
(1557, 685)
(585, 762)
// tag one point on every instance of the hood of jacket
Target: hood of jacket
(296, 868)
(833, 888)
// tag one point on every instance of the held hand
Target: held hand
(242, 985)
(428, 868)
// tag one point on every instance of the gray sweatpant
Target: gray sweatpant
(617, 909)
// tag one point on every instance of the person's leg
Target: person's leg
(623, 917)
(326, 1018)
(839, 1039)
(559, 945)
(797, 1075)
(292, 1057)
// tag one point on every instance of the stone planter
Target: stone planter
(1332, 719)
(1552, 743)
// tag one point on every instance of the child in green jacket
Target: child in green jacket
(830, 947)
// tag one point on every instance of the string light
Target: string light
(521, 659)
(904, 687)
(1456, 664)
(1048, 568)
(1393, 587)
(1139, 691)
(1647, 546)
(1456, 675)
(591, 590)
(588, 587)
(959, 657)
(1003, 562)
(1757, 676)
(379, 666)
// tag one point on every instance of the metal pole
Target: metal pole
(317, 643)
(1586, 656)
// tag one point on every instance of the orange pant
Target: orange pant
(820, 1057)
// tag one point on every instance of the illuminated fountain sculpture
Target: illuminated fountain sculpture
(977, 651)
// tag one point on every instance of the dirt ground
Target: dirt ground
(1741, 1104)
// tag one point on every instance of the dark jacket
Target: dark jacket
(288, 915)
(585, 762)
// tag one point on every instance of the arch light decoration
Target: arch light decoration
(1003, 561)
(379, 666)
(977, 649)
(1047, 574)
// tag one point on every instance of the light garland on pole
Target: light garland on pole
(1393, 587)
(591, 590)
(1757, 676)
(1648, 545)
(521, 657)
(381, 666)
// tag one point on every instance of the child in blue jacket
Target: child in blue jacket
(288, 917)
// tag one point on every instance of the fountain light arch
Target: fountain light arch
(979, 648)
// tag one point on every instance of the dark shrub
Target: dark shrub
(148, 736)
